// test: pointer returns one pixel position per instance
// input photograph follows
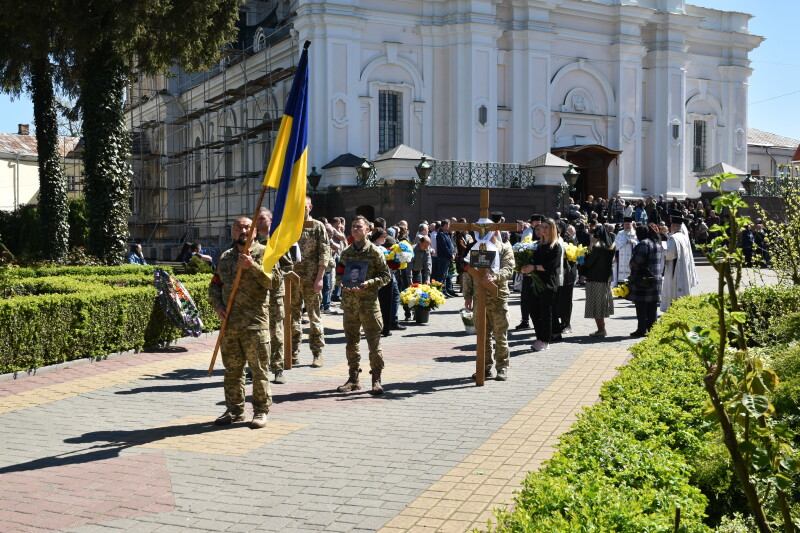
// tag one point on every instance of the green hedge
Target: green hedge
(627, 463)
(764, 305)
(86, 271)
(79, 319)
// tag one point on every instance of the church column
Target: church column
(627, 132)
(667, 60)
(734, 107)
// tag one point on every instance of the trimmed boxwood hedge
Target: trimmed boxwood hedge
(96, 311)
(627, 464)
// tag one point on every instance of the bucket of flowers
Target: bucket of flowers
(421, 299)
(469, 322)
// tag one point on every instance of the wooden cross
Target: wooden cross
(478, 274)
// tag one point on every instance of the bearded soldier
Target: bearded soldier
(246, 337)
(496, 307)
(360, 305)
(315, 253)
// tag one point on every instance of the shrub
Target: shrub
(89, 317)
(627, 464)
(764, 305)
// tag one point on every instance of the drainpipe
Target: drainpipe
(16, 184)
(774, 162)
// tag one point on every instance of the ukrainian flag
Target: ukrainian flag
(287, 169)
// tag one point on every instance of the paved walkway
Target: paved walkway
(129, 443)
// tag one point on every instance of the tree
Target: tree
(28, 45)
(107, 38)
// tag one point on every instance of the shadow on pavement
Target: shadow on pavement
(112, 443)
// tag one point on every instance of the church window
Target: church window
(699, 146)
(390, 106)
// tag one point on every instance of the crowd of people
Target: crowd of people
(646, 245)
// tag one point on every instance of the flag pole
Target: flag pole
(236, 281)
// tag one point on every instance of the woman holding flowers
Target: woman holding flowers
(543, 270)
(597, 268)
(572, 252)
(647, 254)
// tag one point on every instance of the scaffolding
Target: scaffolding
(199, 153)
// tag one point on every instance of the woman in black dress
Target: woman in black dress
(597, 268)
(542, 296)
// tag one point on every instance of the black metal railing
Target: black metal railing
(473, 174)
(775, 186)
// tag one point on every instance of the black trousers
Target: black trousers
(563, 309)
(646, 313)
(385, 303)
(542, 308)
(525, 297)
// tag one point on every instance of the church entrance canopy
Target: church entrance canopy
(592, 161)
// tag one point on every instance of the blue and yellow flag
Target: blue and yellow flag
(287, 169)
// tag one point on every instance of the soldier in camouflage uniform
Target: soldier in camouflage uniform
(360, 307)
(246, 337)
(496, 308)
(315, 253)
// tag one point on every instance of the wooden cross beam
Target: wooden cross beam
(481, 285)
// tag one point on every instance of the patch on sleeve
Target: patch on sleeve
(216, 280)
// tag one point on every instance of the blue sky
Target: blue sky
(774, 88)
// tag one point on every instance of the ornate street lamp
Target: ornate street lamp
(750, 183)
(571, 177)
(365, 173)
(423, 170)
(314, 178)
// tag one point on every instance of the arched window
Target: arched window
(390, 120)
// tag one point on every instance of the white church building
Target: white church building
(640, 95)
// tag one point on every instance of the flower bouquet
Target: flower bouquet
(437, 285)
(622, 290)
(576, 253)
(399, 255)
(469, 321)
(523, 255)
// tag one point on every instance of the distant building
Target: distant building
(639, 96)
(765, 151)
(19, 168)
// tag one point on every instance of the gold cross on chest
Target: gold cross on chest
(481, 285)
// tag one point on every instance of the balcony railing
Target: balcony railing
(775, 186)
(485, 175)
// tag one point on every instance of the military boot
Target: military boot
(317, 362)
(376, 383)
(352, 382)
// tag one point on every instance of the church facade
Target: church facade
(639, 95)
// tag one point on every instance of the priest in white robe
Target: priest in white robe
(624, 243)
(679, 272)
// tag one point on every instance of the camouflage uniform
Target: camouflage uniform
(496, 306)
(276, 311)
(315, 250)
(361, 309)
(246, 338)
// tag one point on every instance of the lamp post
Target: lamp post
(365, 173)
(423, 173)
(570, 179)
(313, 179)
(750, 183)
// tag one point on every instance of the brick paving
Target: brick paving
(128, 444)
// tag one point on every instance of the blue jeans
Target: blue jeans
(395, 302)
(326, 290)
